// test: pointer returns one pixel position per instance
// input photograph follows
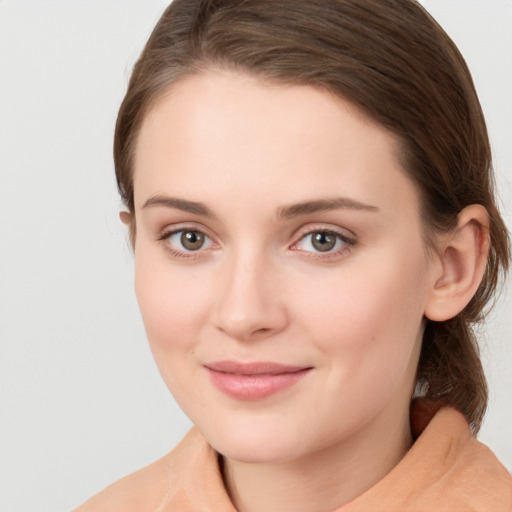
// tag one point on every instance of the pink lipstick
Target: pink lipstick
(253, 381)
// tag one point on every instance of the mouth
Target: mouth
(254, 381)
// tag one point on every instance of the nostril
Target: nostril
(246, 333)
(262, 330)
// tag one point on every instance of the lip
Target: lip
(254, 381)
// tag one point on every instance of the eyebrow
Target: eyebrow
(180, 204)
(285, 212)
(321, 205)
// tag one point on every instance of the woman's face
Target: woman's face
(280, 266)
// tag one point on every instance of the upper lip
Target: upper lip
(254, 368)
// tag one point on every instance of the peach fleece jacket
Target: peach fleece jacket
(446, 470)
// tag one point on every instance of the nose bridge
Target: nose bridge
(249, 304)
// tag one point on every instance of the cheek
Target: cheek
(173, 314)
(367, 317)
(170, 304)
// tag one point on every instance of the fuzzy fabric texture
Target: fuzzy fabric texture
(446, 470)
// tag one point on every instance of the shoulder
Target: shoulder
(463, 472)
(149, 487)
(446, 469)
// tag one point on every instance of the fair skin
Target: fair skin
(275, 224)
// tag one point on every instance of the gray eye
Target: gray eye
(184, 242)
(192, 240)
(323, 241)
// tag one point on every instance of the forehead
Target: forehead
(238, 134)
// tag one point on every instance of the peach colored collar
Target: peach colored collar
(446, 470)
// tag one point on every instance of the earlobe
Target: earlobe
(463, 256)
(126, 217)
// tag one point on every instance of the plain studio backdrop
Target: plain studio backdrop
(81, 401)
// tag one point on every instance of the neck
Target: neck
(322, 481)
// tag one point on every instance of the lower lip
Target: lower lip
(254, 387)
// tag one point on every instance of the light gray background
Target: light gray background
(81, 402)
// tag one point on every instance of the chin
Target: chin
(260, 452)
(255, 443)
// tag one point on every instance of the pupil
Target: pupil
(192, 240)
(323, 241)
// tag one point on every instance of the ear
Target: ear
(463, 257)
(126, 217)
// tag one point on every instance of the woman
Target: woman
(309, 195)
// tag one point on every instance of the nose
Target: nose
(249, 303)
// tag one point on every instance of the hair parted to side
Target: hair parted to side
(396, 64)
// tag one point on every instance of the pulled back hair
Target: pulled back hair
(396, 64)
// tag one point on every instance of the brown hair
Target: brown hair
(393, 61)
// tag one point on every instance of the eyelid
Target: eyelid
(184, 226)
(328, 228)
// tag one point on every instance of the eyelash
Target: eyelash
(348, 243)
(184, 254)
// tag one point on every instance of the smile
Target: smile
(253, 381)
